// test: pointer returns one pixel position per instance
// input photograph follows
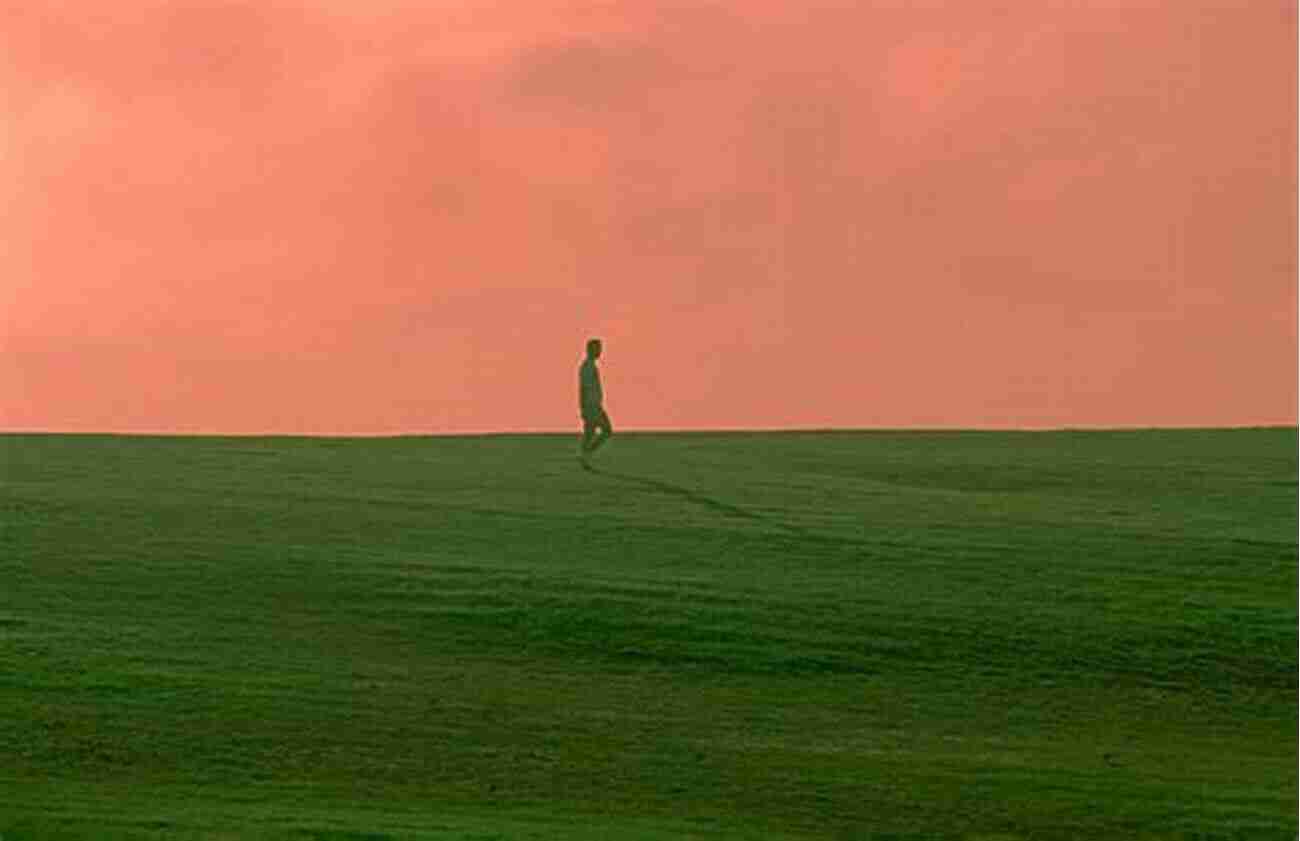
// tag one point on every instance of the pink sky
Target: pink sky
(371, 217)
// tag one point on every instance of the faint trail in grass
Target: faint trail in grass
(698, 498)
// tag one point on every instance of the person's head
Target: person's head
(593, 348)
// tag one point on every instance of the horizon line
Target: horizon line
(499, 433)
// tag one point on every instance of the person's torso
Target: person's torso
(589, 390)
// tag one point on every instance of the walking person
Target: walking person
(596, 427)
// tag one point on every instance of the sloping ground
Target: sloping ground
(894, 635)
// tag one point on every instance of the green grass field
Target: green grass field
(746, 635)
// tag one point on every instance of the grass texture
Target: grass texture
(874, 635)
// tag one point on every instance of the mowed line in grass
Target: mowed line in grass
(780, 634)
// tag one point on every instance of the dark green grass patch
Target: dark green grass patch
(799, 635)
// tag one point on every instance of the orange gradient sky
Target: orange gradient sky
(379, 217)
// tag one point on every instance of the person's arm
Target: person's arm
(586, 385)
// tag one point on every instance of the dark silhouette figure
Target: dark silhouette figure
(596, 428)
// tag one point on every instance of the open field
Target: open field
(744, 635)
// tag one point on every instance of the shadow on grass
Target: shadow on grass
(700, 499)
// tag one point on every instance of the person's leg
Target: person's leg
(604, 430)
(588, 432)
